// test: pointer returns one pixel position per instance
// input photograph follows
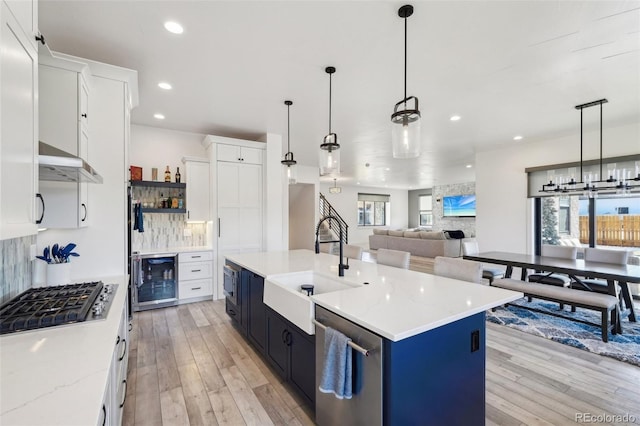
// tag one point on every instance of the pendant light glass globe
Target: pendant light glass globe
(330, 148)
(405, 120)
(288, 157)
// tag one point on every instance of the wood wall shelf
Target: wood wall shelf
(151, 183)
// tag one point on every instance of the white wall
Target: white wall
(346, 203)
(302, 213)
(101, 245)
(275, 196)
(504, 214)
(156, 147)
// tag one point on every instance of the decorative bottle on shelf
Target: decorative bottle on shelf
(159, 205)
(177, 174)
(167, 175)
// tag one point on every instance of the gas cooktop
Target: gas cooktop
(50, 306)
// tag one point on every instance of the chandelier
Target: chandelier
(618, 181)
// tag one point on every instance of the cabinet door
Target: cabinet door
(59, 114)
(26, 15)
(18, 129)
(83, 110)
(302, 363)
(277, 349)
(256, 326)
(197, 191)
(230, 153)
(251, 155)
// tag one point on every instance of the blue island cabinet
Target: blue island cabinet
(436, 377)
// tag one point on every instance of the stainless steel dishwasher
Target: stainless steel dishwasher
(365, 407)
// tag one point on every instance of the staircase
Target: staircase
(330, 229)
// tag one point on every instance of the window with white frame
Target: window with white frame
(426, 210)
(374, 209)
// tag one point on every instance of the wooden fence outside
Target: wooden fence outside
(611, 230)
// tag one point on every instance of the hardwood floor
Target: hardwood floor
(189, 366)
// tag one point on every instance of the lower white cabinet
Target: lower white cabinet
(116, 390)
(195, 275)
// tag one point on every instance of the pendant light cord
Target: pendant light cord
(581, 177)
(601, 177)
(329, 103)
(405, 60)
(288, 133)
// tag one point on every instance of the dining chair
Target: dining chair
(470, 248)
(615, 257)
(561, 252)
(459, 269)
(352, 251)
(397, 258)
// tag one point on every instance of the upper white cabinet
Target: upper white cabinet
(239, 154)
(25, 13)
(18, 119)
(64, 123)
(198, 192)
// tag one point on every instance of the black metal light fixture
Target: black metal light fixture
(405, 122)
(619, 181)
(288, 157)
(330, 148)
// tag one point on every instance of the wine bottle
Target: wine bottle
(178, 175)
(167, 175)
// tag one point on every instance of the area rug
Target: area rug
(623, 347)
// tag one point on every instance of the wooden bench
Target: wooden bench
(606, 304)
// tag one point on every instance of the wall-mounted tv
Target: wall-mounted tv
(459, 205)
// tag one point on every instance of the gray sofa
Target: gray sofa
(421, 243)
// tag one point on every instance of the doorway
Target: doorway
(302, 209)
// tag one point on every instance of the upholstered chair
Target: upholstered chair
(460, 269)
(562, 252)
(616, 257)
(396, 258)
(490, 273)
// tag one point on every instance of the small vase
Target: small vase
(58, 273)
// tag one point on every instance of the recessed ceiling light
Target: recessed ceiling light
(357, 183)
(173, 27)
(164, 85)
(387, 169)
(469, 166)
(158, 116)
(517, 138)
(455, 118)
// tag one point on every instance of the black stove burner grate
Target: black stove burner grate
(48, 306)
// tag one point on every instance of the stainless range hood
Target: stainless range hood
(60, 166)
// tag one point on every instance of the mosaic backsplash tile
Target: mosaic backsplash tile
(15, 270)
(167, 230)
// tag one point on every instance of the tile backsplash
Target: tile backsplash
(15, 270)
(168, 230)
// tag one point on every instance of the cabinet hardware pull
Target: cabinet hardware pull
(84, 115)
(196, 270)
(196, 257)
(84, 206)
(283, 336)
(188, 214)
(218, 227)
(124, 351)
(40, 38)
(232, 312)
(124, 394)
(42, 215)
(117, 340)
(196, 288)
(104, 415)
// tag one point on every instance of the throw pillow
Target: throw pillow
(411, 234)
(380, 231)
(434, 235)
(396, 233)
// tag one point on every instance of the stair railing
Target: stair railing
(336, 223)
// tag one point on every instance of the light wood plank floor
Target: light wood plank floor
(189, 366)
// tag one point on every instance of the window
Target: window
(373, 209)
(564, 215)
(426, 212)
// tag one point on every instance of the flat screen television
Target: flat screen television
(459, 206)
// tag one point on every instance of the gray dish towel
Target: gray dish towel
(336, 371)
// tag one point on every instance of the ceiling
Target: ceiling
(506, 67)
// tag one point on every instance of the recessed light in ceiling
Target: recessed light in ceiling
(158, 116)
(387, 168)
(469, 166)
(164, 85)
(455, 118)
(357, 183)
(517, 138)
(173, 27)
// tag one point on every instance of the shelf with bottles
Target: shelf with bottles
(159, 197)
(156, 184)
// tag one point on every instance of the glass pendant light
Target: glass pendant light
(288, 157)
(330, 148)
(405, 121)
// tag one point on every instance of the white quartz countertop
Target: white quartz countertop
(58, 375)
(173, 250)
(396, 303)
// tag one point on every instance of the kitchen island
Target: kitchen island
(432, 358)
(68, 374)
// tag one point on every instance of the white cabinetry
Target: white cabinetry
(64, 124)
(195, 274)
(239, 154)
(115, 392)
(18, 119)
(198, 192)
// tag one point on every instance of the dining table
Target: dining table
(576, 269)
